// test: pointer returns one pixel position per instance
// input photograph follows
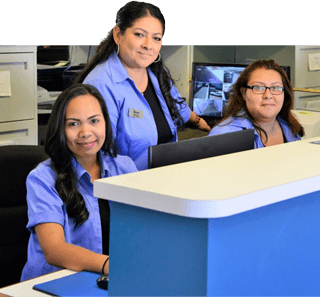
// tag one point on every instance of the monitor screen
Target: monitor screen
(200, 148)
(211, 85)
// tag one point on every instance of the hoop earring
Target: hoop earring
(157, 60)
(118, 49)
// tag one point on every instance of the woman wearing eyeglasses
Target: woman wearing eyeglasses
(262, 99)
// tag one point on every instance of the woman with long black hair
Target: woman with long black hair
(69, 226)
(144, 105)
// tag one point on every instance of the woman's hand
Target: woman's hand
(200, 123)
(203, 125)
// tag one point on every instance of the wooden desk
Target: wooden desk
(24, 289)
(239, 224)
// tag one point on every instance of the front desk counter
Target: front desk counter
(239, 225)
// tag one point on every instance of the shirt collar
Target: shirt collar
(80, 171)
(119, 72)
(77, 168)
(116, 68)
(241, 120)
(104, 163)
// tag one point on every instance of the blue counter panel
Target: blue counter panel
(155, 253)
(272, 250)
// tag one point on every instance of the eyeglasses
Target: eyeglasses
(261, 89)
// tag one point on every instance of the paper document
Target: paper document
(314, 61)
(5, 87)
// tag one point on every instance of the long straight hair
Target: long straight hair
(125, 19)
(61, 157)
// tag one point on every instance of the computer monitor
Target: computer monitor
(200, 148)
(211, 85)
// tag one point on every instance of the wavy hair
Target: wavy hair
(56, 148)
(125, 19)
(237, 103)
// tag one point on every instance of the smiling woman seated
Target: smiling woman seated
(262, 99)
(69, 226)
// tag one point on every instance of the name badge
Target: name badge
(135, 113)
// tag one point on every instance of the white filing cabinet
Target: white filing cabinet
(18, 95)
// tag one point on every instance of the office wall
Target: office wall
(306, 77)
(178, 59)
(81, 54)
(207, 54)
(283, 55)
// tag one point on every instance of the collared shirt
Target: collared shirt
(232, 124)
(45, 206)
(130, 114)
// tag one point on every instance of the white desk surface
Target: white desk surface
(24, 289)
(221, 186)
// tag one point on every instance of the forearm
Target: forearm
(198, 122)
(193, 117)
(76, 258)
(65, 255)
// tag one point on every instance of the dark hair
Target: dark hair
(56, 148)
(237, 103)
(126, 16)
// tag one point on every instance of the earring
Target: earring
(157, 60)
(118, 49)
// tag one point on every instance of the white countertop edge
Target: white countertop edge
(236, 205)
(206, 208)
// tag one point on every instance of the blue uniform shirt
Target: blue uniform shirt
(45, 206)
(134, 134)
(232, 124)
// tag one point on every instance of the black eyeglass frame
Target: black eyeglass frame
(265, 88)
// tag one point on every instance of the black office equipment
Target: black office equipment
(200, 148)
(16, 163)
(52, 54)
(103, 281)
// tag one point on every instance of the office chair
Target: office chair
(16, 161)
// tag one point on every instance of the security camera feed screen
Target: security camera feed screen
(211, 87)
